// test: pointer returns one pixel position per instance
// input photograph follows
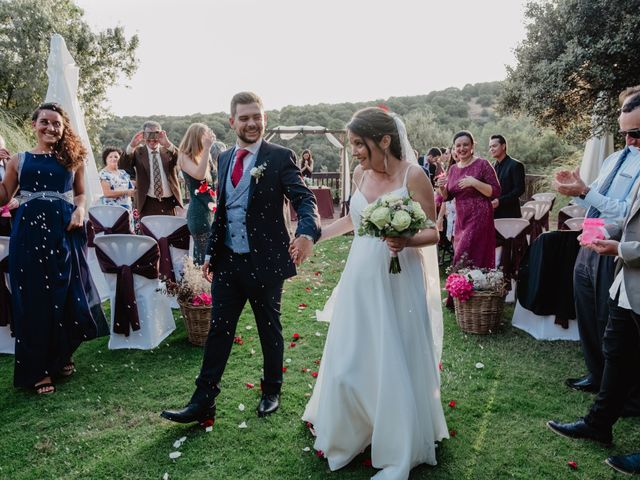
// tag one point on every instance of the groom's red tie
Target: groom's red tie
(238, 168)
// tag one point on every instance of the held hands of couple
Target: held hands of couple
(300, 249)
(568, 182)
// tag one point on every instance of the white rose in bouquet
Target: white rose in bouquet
(417, 211)
(380, 217)
(401, 220)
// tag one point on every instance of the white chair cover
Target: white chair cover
(574, 223)
(106, 215)
(541, 207)
(544, 197)
(543, 327)
(527, 212)
(156, 319)
(7, 342)
(574, 211)
(509, 228)
(163, 226)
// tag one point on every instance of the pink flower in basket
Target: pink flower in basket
(459, 286)
(202, 299)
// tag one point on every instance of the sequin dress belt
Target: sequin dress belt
(26, 196)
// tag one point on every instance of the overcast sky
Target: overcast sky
(194, 55)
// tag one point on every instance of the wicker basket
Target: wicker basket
(481, 314)
(196, 320)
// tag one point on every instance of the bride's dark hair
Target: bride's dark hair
(374, 123)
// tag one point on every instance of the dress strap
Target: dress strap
(406, 174)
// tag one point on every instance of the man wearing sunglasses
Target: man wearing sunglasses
(609, 198)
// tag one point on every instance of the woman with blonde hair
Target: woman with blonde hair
(197, 148)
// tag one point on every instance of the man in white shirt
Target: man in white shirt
(155, 162)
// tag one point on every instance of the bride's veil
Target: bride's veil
(429, 258)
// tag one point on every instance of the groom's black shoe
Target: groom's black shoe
(629, 464)
(580, 429)
(193, 412)
(269, 403)
(583, 384)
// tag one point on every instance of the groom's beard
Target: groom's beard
(249, 141)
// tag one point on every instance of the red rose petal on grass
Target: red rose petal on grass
(317, 274)
(573, 465)
(249, 385)
(296, 336)
(307, 289)
(305, 370)
(303, 305)
(292, 344)
(452, 433)
(314, 374)
(284, 369)
(238, 340)
(317, 362)
(452, 404)
(440, 366)
(319, 454)
(366, 462)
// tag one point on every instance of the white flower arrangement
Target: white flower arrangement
(258, 172)
(485, 279)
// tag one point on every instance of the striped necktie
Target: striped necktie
(604, 188)
(157, 180)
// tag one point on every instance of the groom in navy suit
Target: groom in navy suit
(248, 254)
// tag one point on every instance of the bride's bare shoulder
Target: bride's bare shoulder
(357, 174)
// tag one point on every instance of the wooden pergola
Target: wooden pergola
(338, 138)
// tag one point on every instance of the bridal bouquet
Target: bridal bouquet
(466, 281)
(393, 216)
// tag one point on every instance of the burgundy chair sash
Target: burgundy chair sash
(6, 317)
(121, 225)
(563, 217)
(538, 226)
(513, 250)
(125, 316)
(178, 239)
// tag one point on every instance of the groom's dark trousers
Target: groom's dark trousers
(234, 283)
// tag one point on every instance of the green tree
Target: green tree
(575, 60)
(26, 27)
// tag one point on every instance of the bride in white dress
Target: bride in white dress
(379, 382)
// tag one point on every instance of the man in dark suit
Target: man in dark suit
(248, 254)
(621, 342)
(510, 174)
(154, 161)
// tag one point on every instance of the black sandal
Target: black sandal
(46, 388)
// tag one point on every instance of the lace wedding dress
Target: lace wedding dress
(378, 382)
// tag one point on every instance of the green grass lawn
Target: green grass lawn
(104, 423)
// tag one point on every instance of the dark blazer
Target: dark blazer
(139, 160)
(267, 233)
(510, 174)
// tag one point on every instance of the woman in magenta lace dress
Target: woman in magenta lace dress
(473, 183)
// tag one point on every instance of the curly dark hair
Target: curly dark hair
(108, 150)
(69, 150)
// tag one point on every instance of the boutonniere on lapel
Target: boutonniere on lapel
(258, 172)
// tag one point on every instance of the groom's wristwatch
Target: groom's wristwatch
(308, 237)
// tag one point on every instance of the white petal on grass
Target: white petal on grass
(165, 476)
(209, 429)
(318, 334)
(243, 425)
(241, 407)
(306, 449)
(479, 365)
(174, 455)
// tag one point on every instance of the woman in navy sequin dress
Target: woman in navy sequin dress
(55, 304)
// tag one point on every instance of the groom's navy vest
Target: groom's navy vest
(236, 199)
